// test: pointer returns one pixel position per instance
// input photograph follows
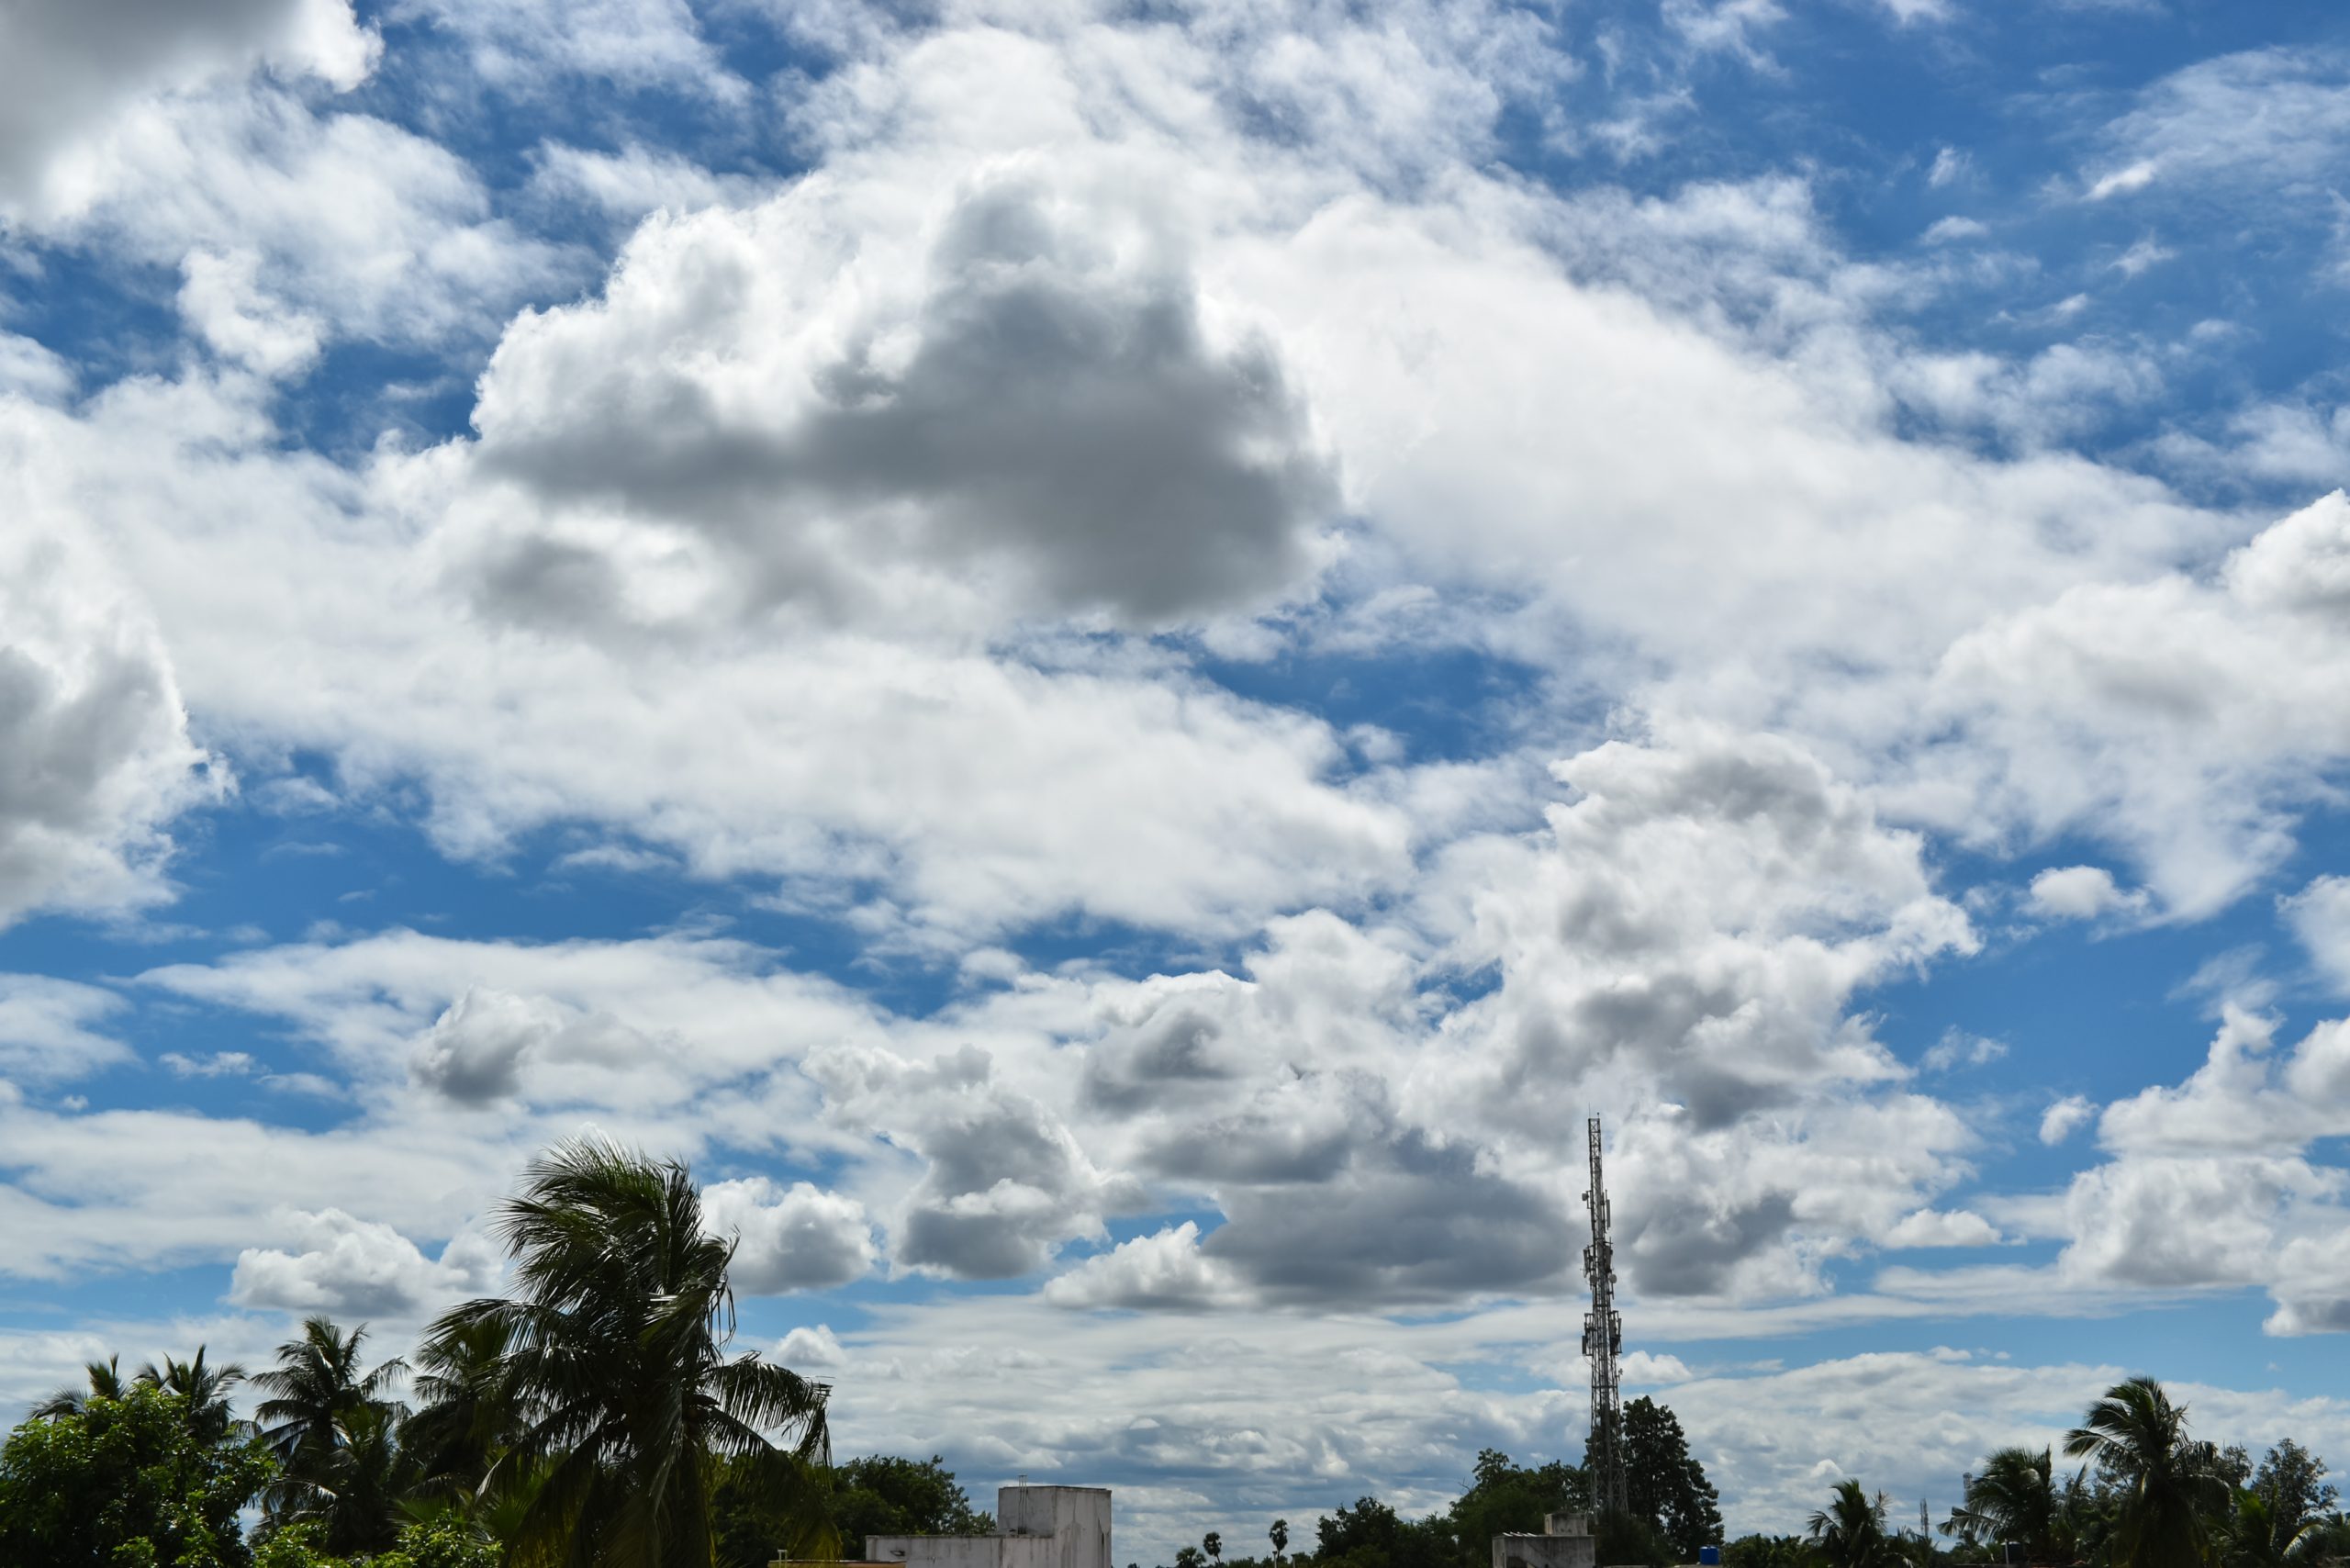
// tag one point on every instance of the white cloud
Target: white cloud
(2137, 176)
(69, 68)
(2187, 720)
(2081, 893)
(221, 300)
(358, 1268)
(295, 224)
(811, 1347)
(2065, 1117)
(1950, 166)
(1955, 230)
(94, 754)
(1958, 1048)
(1162, 1271)
(2146, 253)
(214, 1064)
(1940, 1227)
(795, 1238)
(46, 1032)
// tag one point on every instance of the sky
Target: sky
(1114, 657)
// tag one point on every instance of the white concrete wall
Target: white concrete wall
(1076, 1518)
(1042, 1526)
(1545, 1552)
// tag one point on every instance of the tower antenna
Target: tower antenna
(1603, 1341)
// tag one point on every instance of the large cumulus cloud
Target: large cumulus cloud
(95, 753)
(1038, 403)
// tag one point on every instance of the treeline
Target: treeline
(1673, 1511)
(595, 1416)
(2143, 1494)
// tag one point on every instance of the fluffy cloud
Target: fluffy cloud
(1037, 403)
(292, 224)
(2218, 1182)
(355, 1268)
(2065, 1117)
(70, 67)
(2187, 719)
(2080, 893)
(795, 1238)
(94, 754)
(474, 1051)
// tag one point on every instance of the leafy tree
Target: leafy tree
(1279, 1536)
(879, 1494)
(440, 1545)
(1213, 1544)
(1768, 1552)
(1630, 1538)
(1503, 1498)
(296, 1546)
(1850, 1532)
(104, 1382)
(1664, 1482)
(125, 1482)
(1367, 1534)
(632, 1410)
(2291, 1480)
(2017, 1498)
(2170, 1487)
(1188, 1557)
(884, 1495)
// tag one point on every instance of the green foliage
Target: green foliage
(635, 1414)
(296, 1546)
(884, 1495)
(2291, 1482)
(2017, 1498)
(1369, 1534)
(336, 1433)
(125, 1481)
(1628, 1538)
(2170, 1489)
(440, 1544)
(1851, 1532)
(1509, 1499)
(1769, 1551)
(1666, 1483)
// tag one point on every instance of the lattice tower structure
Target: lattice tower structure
(1603, 1342)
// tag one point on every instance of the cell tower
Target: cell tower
(1603, 1341)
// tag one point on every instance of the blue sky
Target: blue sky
(1114, 659)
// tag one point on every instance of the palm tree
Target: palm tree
(1850, 1531)
(205, 1389)
(2015, 1498)
(1279, 1536)
(630, 1405)
(2261, 1536)
(105, 1383)
(467, 1414)
(1213, 1544)
(316, 1384)
(2171, 1490)
(353, 1491)
(333, 1428)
